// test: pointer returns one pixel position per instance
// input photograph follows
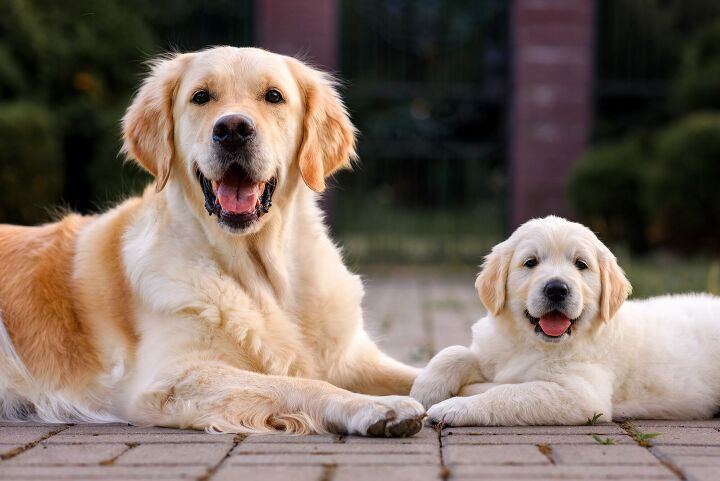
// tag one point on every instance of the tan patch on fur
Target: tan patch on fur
(37, 302)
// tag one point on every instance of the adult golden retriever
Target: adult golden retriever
(217, 299)
(560, 344)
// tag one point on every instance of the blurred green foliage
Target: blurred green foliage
(653, 184)
(67, 72)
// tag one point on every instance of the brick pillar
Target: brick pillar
(305, 27)
(551, 104)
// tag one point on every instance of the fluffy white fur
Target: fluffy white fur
(655, 358)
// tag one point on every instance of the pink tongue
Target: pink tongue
(237, 197)
(554, 324)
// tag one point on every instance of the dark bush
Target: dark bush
(696, 87)
(31, 172)
(683, 192)
(606, 191)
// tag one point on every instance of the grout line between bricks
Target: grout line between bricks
(444, 470)
(546, 450)
(632, 431)
(111, 461)
(239, 438)
(22, 449)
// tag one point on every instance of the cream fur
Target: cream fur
(655, 358)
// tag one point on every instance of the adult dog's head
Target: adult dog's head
(233, 129)
(552, 280)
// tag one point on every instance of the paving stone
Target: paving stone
(175, 454)
(140, 438)
(378, 473)
(426, 436)
(339, 458)
(334, 448)
(485, 454)
(90, 429)
(697, 423)
(685, 436)
(686, 450)
(285, 438)
(701, 473)
(605, 428)
(268, 473)
(533, 439)
(104, 473)
(6, 449)
(599, 454)
(561, 472)
(44, 454)
(18, 434)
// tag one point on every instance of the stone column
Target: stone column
(551, 111)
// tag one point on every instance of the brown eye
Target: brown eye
(201, 97)
(530, 263)
(581, 265)
(273, 96)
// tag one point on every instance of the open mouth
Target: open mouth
(236, 199)
(553, 324)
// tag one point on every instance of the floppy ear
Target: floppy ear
(328, 141)
(492, 281)
(148, 123)
(614, 286)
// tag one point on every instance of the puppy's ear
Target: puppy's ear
(148, 123)
(328, 141)
(615, 287)
(492, 281)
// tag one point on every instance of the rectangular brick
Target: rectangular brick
(115, 428)
(551, 472)
(140, 438)
(104, 473)
(426, 436)
(684, 436)
(340, 458)
(485, 454)
(701, 473)
(604, 428)
(533, 439)
(376, 473)
(268, 473)
(288, 438)
(44, 454)
(334, 448)
(599, 454)
(686, 450)
(19, 434)
(178, 454)
(696, 423)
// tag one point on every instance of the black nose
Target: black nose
(556, 290)
(233, 131)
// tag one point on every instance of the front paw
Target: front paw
(388, 416)
(430, 390)
(456, 411)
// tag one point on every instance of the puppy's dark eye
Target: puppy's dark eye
(581, 265)
(273, 96)
(530, 263)
(201, 97)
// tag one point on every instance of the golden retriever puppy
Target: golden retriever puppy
(560, 343)
(217, 299)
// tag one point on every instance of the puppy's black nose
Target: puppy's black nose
(556, 290)
(233, 131)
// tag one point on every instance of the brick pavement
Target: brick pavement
(412, 314)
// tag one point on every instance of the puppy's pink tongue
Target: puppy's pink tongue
(237, 196)
(554, 324)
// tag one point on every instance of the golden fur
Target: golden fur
(155, 313)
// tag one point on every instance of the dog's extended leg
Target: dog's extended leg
(214, 395)
(529, 403)
(446, 374)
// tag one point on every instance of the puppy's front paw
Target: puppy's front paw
(430, 390)
(389, 416)
(456, 411)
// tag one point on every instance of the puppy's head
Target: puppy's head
(552, 279)
(235, 129)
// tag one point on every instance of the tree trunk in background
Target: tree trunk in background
(551, 110)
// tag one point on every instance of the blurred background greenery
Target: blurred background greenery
(428, 85)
